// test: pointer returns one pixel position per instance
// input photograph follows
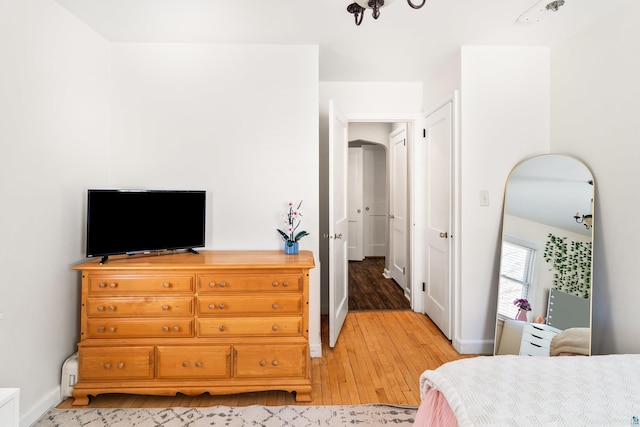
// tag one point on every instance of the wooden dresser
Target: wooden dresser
(220, 322)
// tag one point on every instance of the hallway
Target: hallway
(370, 290)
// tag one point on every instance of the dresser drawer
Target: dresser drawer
(139, 328)
(233, 304)
(533, 349)
(196, 362)
(126, 284)
(540, 331)
(257, 326)
(115, 363)
(260, 361)
(139, 306)
(270, 281)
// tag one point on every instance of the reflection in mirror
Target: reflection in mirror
(544, 294)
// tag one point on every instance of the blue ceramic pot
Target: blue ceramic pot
(291, 248)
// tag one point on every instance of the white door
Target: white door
(338, 219)
(438, 285)
(398, 215)
(355, 240)
(376, 235)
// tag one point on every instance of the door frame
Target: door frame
(414, 131)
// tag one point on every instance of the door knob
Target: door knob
(367, 208)
(359, 211)
(444, 235)
(338, 236)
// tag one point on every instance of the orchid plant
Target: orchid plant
(292, 220)
(522, 304)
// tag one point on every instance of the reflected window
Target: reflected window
(516, 271)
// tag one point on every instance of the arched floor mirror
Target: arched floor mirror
(544, 292)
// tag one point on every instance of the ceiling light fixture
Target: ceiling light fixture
(554, 5)
(537, 11)
(358, 7)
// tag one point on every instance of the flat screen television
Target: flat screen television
(140, 221)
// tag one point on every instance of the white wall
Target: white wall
(360, 102)
(504, 119)
(595, 93)
(372, 132)
(200, 116)
(53, 133)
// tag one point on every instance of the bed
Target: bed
(514, 390)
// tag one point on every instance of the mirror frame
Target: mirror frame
(564, 241)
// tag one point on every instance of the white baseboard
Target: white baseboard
(484, 347)
(315, 350)
(32, 414)
(386, 273)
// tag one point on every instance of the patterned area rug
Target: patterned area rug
(267, 416)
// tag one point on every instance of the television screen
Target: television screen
(135, 221)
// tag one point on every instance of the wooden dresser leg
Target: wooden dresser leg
(80, 399)
(303, 396)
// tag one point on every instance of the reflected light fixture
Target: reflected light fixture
(358, 7)
(587, 220)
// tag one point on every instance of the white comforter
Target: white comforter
(540, 391)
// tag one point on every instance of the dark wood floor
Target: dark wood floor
(370, 290)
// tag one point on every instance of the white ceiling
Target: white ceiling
(402, 45)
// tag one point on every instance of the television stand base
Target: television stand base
(193, 251)
(104, 259)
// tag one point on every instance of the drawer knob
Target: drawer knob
(120, 365)
(166, 285)
(285, 284)
(222, 328)
(165, 307)
(176, 329)
(212, 284)
(221, 306)
(101, 329)
(222, 284)
(263, 363)
(102, 285)
(275, 306)
(113, 285)
(274, 363)
(198, 364)
(274, 328)
(185, 364)
(212, 306)
(111, 308)
(100, 308)
(275, 284)
(112, 329)
(165, 329)
(107, 366)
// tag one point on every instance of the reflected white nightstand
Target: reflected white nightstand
(10, 407)
(536, 339)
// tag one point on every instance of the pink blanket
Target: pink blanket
(434, 411)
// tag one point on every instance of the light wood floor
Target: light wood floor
(378, 359)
